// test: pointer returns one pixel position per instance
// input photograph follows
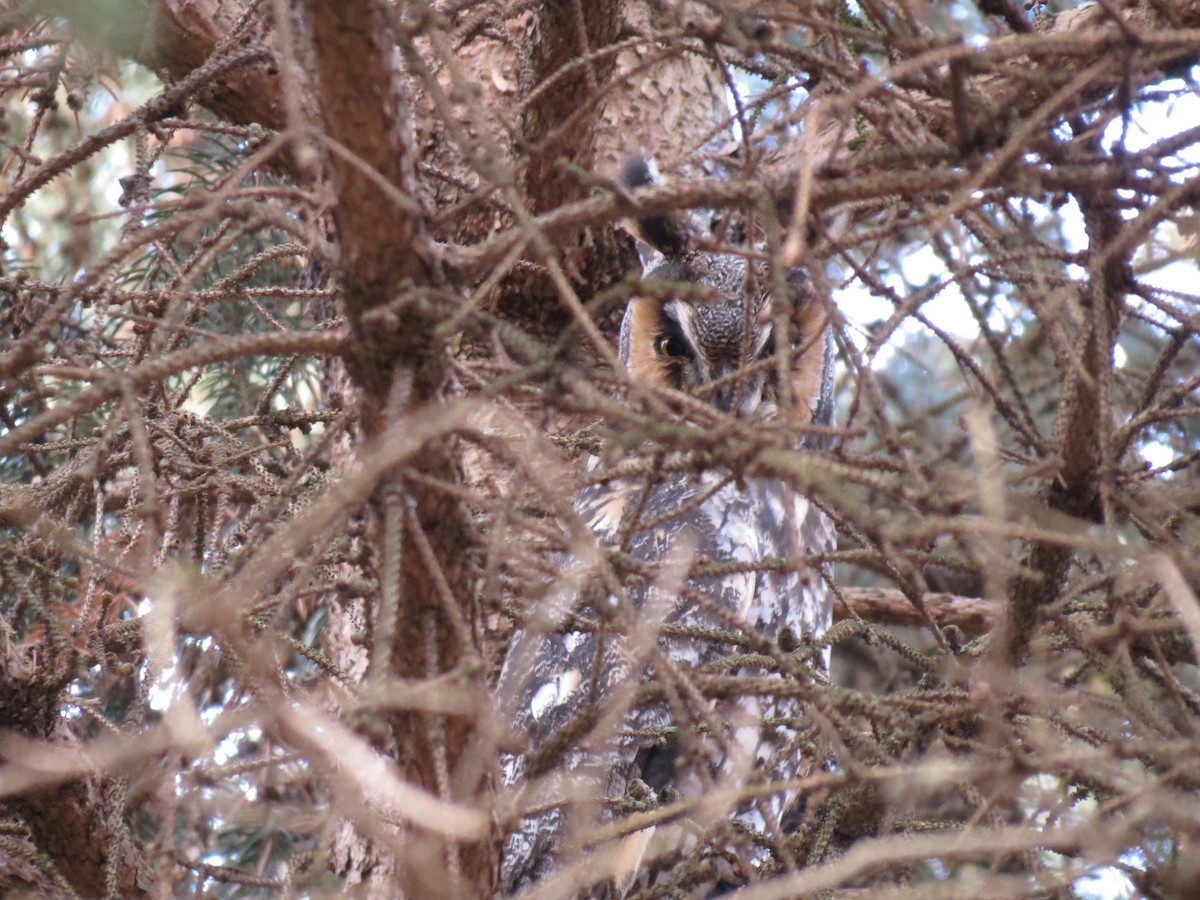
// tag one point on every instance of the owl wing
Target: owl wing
(573, 691)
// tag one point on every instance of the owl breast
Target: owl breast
(724, 570)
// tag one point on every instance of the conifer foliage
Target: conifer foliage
(308, 313)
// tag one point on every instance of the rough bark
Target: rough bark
(421, 539)
(569, 60)
(174, 38)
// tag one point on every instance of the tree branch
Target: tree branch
(175, 38)
(889, 606)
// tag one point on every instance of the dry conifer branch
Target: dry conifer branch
(310, 317)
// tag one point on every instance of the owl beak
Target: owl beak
(722, 395)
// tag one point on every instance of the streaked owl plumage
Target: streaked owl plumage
(571, 679)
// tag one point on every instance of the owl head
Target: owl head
(701, 331)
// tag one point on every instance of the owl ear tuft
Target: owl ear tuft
(668, 234)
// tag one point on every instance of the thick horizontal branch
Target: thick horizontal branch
(977, 617)
(889, 606)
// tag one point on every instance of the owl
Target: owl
(638, 754)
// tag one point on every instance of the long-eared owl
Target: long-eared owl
(656, 685)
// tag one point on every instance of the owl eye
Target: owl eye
(671, 346)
